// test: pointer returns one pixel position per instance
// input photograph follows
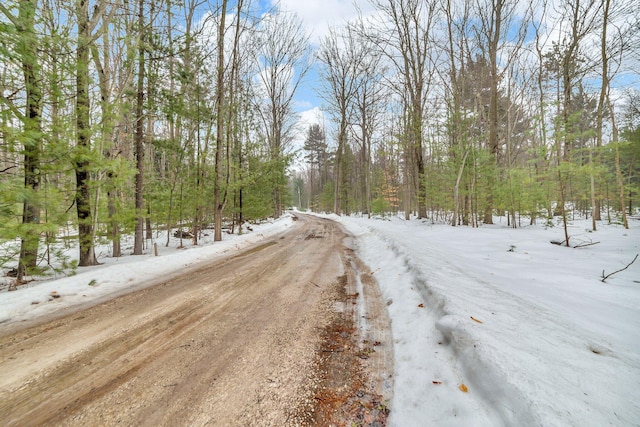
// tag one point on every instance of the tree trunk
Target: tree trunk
(494, 143)
(416, 141)
(604, 57)
(31, 139)
(114, 226)
(149, 230)
(139, 137)
(456, 190)
(595, 215)
(339, 166)
(619, 179)
(87, 255)
(218, 201)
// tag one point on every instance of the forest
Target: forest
(140, 117)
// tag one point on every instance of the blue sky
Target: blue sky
(318, 16)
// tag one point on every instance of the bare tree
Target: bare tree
(581, 19)
(341, 56)
(114, 79)
(283, 55)
(614, 47)
(369, 97)
(497, 20)
(406, 39)
(457, 30)
(139, 132)
(227, 77)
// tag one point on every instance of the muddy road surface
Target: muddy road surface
(268, 337)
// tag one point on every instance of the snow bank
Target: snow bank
(125, 274)
(525, 327)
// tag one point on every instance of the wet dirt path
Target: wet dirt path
(239, 342)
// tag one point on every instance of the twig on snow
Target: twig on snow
(618, 271)
(583, 245)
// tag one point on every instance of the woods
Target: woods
(493, 108)
(139, 117)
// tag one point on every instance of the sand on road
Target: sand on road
(248, 340)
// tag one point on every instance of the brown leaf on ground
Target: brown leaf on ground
(343, 397)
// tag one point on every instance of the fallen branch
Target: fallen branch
(579, 245)
(583, 245)
(618, 271)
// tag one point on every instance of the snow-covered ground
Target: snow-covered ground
(496, 326)
(491, 326)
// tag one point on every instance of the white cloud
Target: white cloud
(310, 117)
(306, 118)
(303, 105)
(319, 15)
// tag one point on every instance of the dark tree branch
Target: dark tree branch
(7, 169)
(618, 271)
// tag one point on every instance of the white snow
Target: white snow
(556, 346)
(526, 326)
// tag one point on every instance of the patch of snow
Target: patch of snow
(528, 327)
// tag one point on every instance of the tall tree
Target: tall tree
(581, 19)
(341, 56)
(497, 22)
(284, 58)
(114, 79)
(369, 105)
(31, 135)
(139, 133)
(408, 42)
(614, 46)
(218, 197)
(82, 156)
(457, 23)
(317, 158)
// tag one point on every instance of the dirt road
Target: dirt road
(266, 337)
